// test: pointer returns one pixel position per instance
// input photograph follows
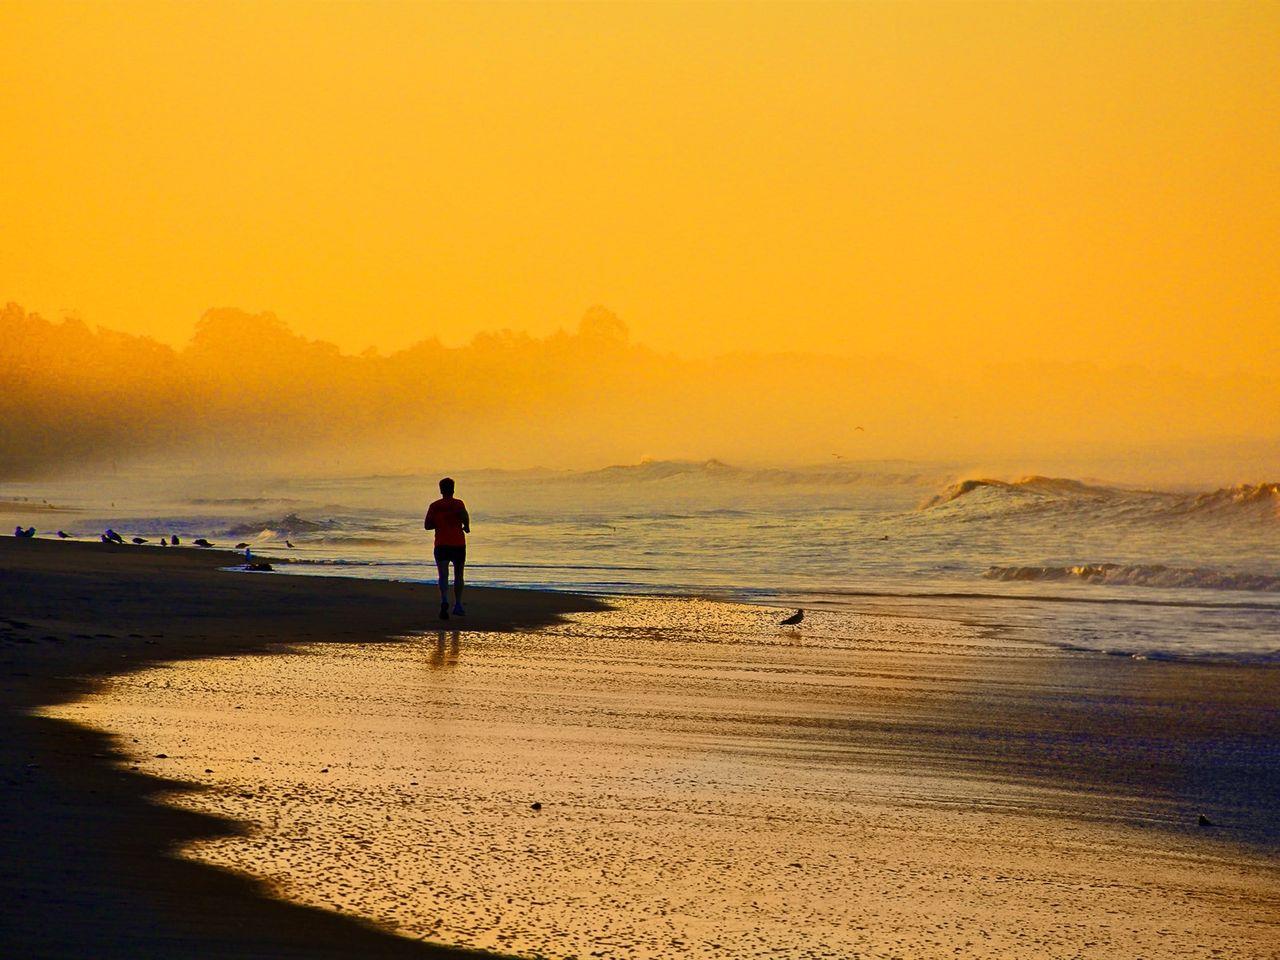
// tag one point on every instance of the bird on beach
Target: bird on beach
(164, 541)
(140, 540)
(792, 620)
(112, 537)
(202, 542)
(241, 545)
(63, 535)
(175, 541)
(25, 534)
(288, 544)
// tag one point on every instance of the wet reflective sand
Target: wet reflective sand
(713, 785)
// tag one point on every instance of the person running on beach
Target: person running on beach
(448, 518)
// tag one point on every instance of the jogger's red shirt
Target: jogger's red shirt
(446, 516)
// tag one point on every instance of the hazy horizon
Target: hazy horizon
(247, 388)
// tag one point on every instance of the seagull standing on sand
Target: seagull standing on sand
(792, 620)
(62, 535)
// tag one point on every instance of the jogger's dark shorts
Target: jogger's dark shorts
(455, 555)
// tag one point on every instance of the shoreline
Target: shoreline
(87, 866)
(90, 862)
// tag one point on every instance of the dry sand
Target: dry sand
(710, 785)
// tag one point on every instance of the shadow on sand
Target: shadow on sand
(88, 864)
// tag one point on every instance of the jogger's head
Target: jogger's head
(446, 486)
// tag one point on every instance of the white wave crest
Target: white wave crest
(1141, 575)
(1262, 499)
(290, 525)
(1028, 488)
(982, 497)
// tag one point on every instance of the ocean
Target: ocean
(1076, 563)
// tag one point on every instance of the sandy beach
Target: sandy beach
(200, 762)
(88, 866)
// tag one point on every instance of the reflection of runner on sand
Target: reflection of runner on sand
(446, 651)
(448, 518)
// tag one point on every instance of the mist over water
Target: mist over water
(1078, 564)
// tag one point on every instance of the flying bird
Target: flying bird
(863, 429)
(792, 620)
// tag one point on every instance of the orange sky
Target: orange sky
(947, 182)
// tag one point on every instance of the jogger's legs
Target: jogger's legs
(442, 569)
(445, 556)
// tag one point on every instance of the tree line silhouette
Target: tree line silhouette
(246, 392)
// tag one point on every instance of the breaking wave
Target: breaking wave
(987, 497)
(1034, 487)
(1141, 575)
(290, 525)
(1259, 498)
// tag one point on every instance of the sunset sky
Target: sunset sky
(946, 182)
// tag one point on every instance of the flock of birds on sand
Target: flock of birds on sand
(110, 536)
